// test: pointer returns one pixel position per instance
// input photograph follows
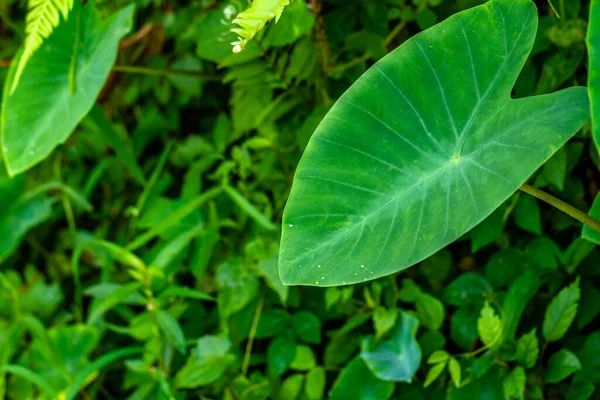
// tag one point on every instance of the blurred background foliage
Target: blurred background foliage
(125, 273)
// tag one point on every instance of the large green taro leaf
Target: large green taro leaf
(593, 46)
(422, 147)
(52, 95)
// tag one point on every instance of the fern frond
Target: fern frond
(43, 16)
(254, 19)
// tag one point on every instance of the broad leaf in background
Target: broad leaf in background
(422, 148)
(41, 114)
(398, 358)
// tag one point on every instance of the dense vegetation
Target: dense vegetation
(149, 151)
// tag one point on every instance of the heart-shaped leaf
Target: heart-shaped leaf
(422, 147)
(74, 63)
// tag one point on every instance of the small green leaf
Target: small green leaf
(561, 365)
(514, 384)
(280, 354)
(489, 325)
(430, 311)
(291, 387)
(82, 376)
(315, 383)
(384, 320)
(356, 381)
(31, 376)
(468, 289)
(438, 356)
(463, 327)
(249, 209)
(528, 349)
(561, 312)
(307, 327)
(434, 373)
(455, 372)
(304, 359)
(207, 363)
(580, 391)
(172, 330)
(119, 295)
(527, 215)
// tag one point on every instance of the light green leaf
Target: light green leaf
(172, 330)
(304, 360)
(561, 312)
(561, 365)
(528, 349)
(438, 356)
(593, 48)
(315, 383)
(514, 384)
(254, 19)
(249, 208)
(208, 362)
(417, 152)
(357, 382)
(119, 295)
(489, 325)
(384, 320)
(108, 358)
(455, 372)
(29, 133)
(434, 373)
(31, 376)
(430, 311)
(291, 387)
(398, 358)
(238, 286)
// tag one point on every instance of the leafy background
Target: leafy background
(127, 273)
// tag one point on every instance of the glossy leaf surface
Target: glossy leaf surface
(422, 147)
(42, 113)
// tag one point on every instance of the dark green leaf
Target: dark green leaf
(561, 365)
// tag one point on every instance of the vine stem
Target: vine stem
(562, 206)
